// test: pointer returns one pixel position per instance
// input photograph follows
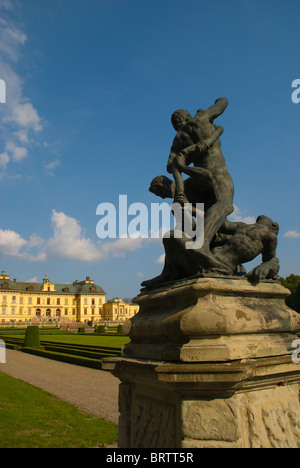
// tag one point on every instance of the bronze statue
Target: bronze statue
(197, 141)
(227, 245)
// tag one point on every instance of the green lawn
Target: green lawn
(92, 340)
(74, 338)
(31, 418)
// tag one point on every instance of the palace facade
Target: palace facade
(115, 310)
(82, 301)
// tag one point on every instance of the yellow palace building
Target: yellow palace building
(82, 301)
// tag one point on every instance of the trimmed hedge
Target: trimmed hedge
(32, 337)
(71, 359)
(97, 354)
(83, 355)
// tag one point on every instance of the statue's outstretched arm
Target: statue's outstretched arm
(269, 267)
(217, 109)
(266, 270)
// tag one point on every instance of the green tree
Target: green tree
(292, 283)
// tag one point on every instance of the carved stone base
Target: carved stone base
(212, 319)
(210, 365)
(247, 404)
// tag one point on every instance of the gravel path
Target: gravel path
(92, 391)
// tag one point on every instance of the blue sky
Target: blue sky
(91, 86)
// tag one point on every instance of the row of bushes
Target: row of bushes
(101, 329)
(84, 355)
(63, 357)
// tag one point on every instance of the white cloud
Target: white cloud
(292, 234)
(238, 216)
(20, 120)
(26, 116)
(21, 136)
(7, 4)
(17, 152)
(11, 40)
(4, 160)
(69, 242)
(35, 279)
(120, 247)
(50, 167)
(161, 259)
(11, 242)
(13, 245)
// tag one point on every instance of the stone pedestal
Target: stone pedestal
(209, 365)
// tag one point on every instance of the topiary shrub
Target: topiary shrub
(101, 329)
(32, 337)
(120, 329)
(81, 330)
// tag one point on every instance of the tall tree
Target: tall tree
(292, 282)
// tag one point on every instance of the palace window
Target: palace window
(38, 301)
